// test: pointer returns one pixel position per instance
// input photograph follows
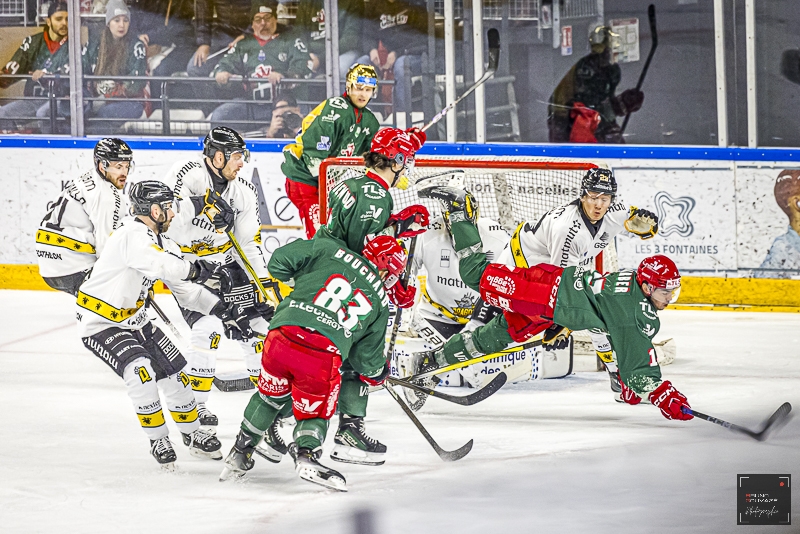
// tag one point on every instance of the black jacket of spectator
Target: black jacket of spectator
(233, 19)
(149, 17)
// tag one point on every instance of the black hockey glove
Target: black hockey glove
(556, 337)
(643, 223)
(265, 310)
(206, 273)
(213, 206)
(235, 322)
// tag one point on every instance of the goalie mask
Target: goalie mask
(663, 277)
(386, 254)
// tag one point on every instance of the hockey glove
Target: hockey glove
(641, 222)
(376, 380)
(402, 297)
(418, 137)
(522, 328)
(206, 273)
(235, 322)
(626, 394)
(213, 206)
(265, 310)
(627, 101)
(670, 401)
(410, 221)
(556, 337)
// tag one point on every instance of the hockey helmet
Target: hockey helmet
(600, 38)
(112, 149)
(395, 145)
(386, 254)
(599, 180)
(144, 194)
(662, 274)
(227, 141)
(360, 74)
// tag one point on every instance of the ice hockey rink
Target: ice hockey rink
(549, 455)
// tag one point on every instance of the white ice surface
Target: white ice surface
(549, 456)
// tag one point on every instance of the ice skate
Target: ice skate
(162, 451)
(308, 468)
(240, 460)
(208, 421)
(421, 362)
(272, 447)
(203, 444)
(354, 446)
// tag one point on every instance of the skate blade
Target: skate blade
(268, 453)
(351, 455)
(169, 467)
(213, 455)
(310, 474)
(231, 474)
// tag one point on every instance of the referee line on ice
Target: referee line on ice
(33, 336)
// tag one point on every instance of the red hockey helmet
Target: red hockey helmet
(662, 274)
(386, 254)
(394, 144)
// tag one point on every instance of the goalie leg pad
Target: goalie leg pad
(306, 198)
(530, 291)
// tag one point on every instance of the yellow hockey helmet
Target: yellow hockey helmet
(360, 74)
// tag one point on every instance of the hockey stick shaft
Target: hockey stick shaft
(447, 456)
(781, 413)
(467, 363)
(493, 38)
(399, 311)
(464, 400)
(166, 320)
(651, 15)
(249, 267)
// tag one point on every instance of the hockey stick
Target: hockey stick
(781, 415)
(399, 312)
(467, 363)
(152, 302)
(651, 14)
(249, 267)
(493, 37)
(464, 400)
(447, 456)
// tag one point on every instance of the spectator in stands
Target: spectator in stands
(392, 28)
(115, 52)
(310, 21)
(583, 107)
(39, 54)
(286, 117)
(265, 57)
(166, 28)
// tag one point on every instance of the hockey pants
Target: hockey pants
(207, 333)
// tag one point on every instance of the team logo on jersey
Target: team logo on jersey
(332, 117)
(215, 338)
(262, 71)
(144, 376)
(647, 310)
(183, 378)
(444, 259)
(272, 384)
(261, 55)
(465, 306)
(306, 406)
(348, 151)
(673, 214)
(324, 143)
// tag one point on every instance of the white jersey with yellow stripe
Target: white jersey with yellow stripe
(134, 258)
(196, 235)
(446, 297)
(78, 224)
(562, 237)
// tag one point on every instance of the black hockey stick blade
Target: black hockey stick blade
(493, 38)
(447, 456)
(778, 418)
(464, 400)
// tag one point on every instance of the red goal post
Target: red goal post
(510, 190)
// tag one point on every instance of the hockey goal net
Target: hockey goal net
(510, 190)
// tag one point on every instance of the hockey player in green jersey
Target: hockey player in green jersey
(623, 304)
(338, 127)
(337, 313)
(360, 208)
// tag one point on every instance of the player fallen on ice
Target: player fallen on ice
(78, 223)
(213, 184)
(360, 208)
(337, 313)
(113, 322)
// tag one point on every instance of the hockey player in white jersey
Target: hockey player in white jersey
(113, 323)
(447, 303)
(78, 223)
(213, 179)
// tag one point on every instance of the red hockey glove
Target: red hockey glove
(410, 221)
(627, 394)
(522, 328)
(378, 379)
(670, 401)
(402, 297)
(585, 123)
(417, 136)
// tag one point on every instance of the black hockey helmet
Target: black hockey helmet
(225, 140)
(144, 194)
(112, 149)
(599, 180)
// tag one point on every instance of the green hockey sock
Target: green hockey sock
(310, 433)
(261, 411)
(486, 339)
(353, 395)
